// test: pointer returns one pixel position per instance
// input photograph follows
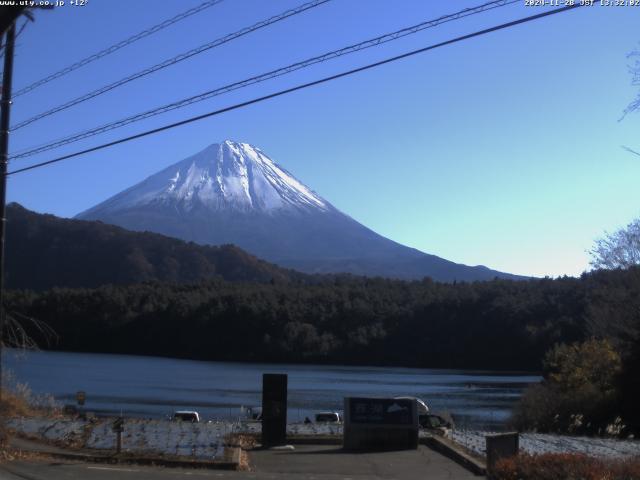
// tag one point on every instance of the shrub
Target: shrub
(11, 405)
(578, 394)
(16, 404)
(569, 466)
(19, 401)
(594, 364)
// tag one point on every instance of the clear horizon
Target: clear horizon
(504, 151)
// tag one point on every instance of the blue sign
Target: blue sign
(381, 411)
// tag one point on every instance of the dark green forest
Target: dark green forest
(501, 324)
(45, 251)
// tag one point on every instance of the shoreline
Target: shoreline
(300, 365)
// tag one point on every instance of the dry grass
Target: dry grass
(242, 440)
(561, 466)
(244, 465)
(11, 405)
(16, 405)
(10, 454)
(19, 401)
(245, 442)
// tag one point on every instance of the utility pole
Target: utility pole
(5, 105)
(9, 14)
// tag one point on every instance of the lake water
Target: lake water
(154, 387)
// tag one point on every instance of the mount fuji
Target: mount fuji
(233, 193)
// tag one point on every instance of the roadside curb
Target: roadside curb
(455, 453)
(233, 453)
(314, 439)
(303, 439)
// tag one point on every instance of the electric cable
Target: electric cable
(299, 87)
(171, 61)
(30, 151)
(117, 46)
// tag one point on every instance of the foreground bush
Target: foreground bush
(11, 405)
(16, 405)
(19, 401)
(579, 394)
(561, 466)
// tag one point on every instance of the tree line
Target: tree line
(501, 324)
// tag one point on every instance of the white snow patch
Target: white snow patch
(157, 437)
(537, 443)
(229, 175)
(196, 440)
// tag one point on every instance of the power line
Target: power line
(172, 61)
(299, 87)
(117, 46)
(630, 150)
(264, 77)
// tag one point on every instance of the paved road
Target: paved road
(305, 462)
(330, 462)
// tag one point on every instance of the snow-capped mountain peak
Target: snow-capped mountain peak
(232, 193)
(225, 176)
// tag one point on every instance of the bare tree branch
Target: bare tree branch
(620, 249)
(634, 70)
(16, 333)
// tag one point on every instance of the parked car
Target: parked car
(254, 413)
(328, 417)
(431, 421)
(186, 416)
(423, 409)
(425, 418)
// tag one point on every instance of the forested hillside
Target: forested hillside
(44, 251)
(501, 324)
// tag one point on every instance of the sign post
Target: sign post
(501, 445)
(274, 409)
(118, 427)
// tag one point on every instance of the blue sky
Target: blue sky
(504, 150)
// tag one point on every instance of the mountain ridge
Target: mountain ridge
(233, 193)
(45, 251)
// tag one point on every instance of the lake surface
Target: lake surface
(154, 387)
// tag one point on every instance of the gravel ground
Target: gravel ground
(536, 443)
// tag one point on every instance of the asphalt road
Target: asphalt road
(310, 462)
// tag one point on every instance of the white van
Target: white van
(328, 417)
(186, 416)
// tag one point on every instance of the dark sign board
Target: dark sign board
(274, 409)
(380, 423)
(381, 411)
